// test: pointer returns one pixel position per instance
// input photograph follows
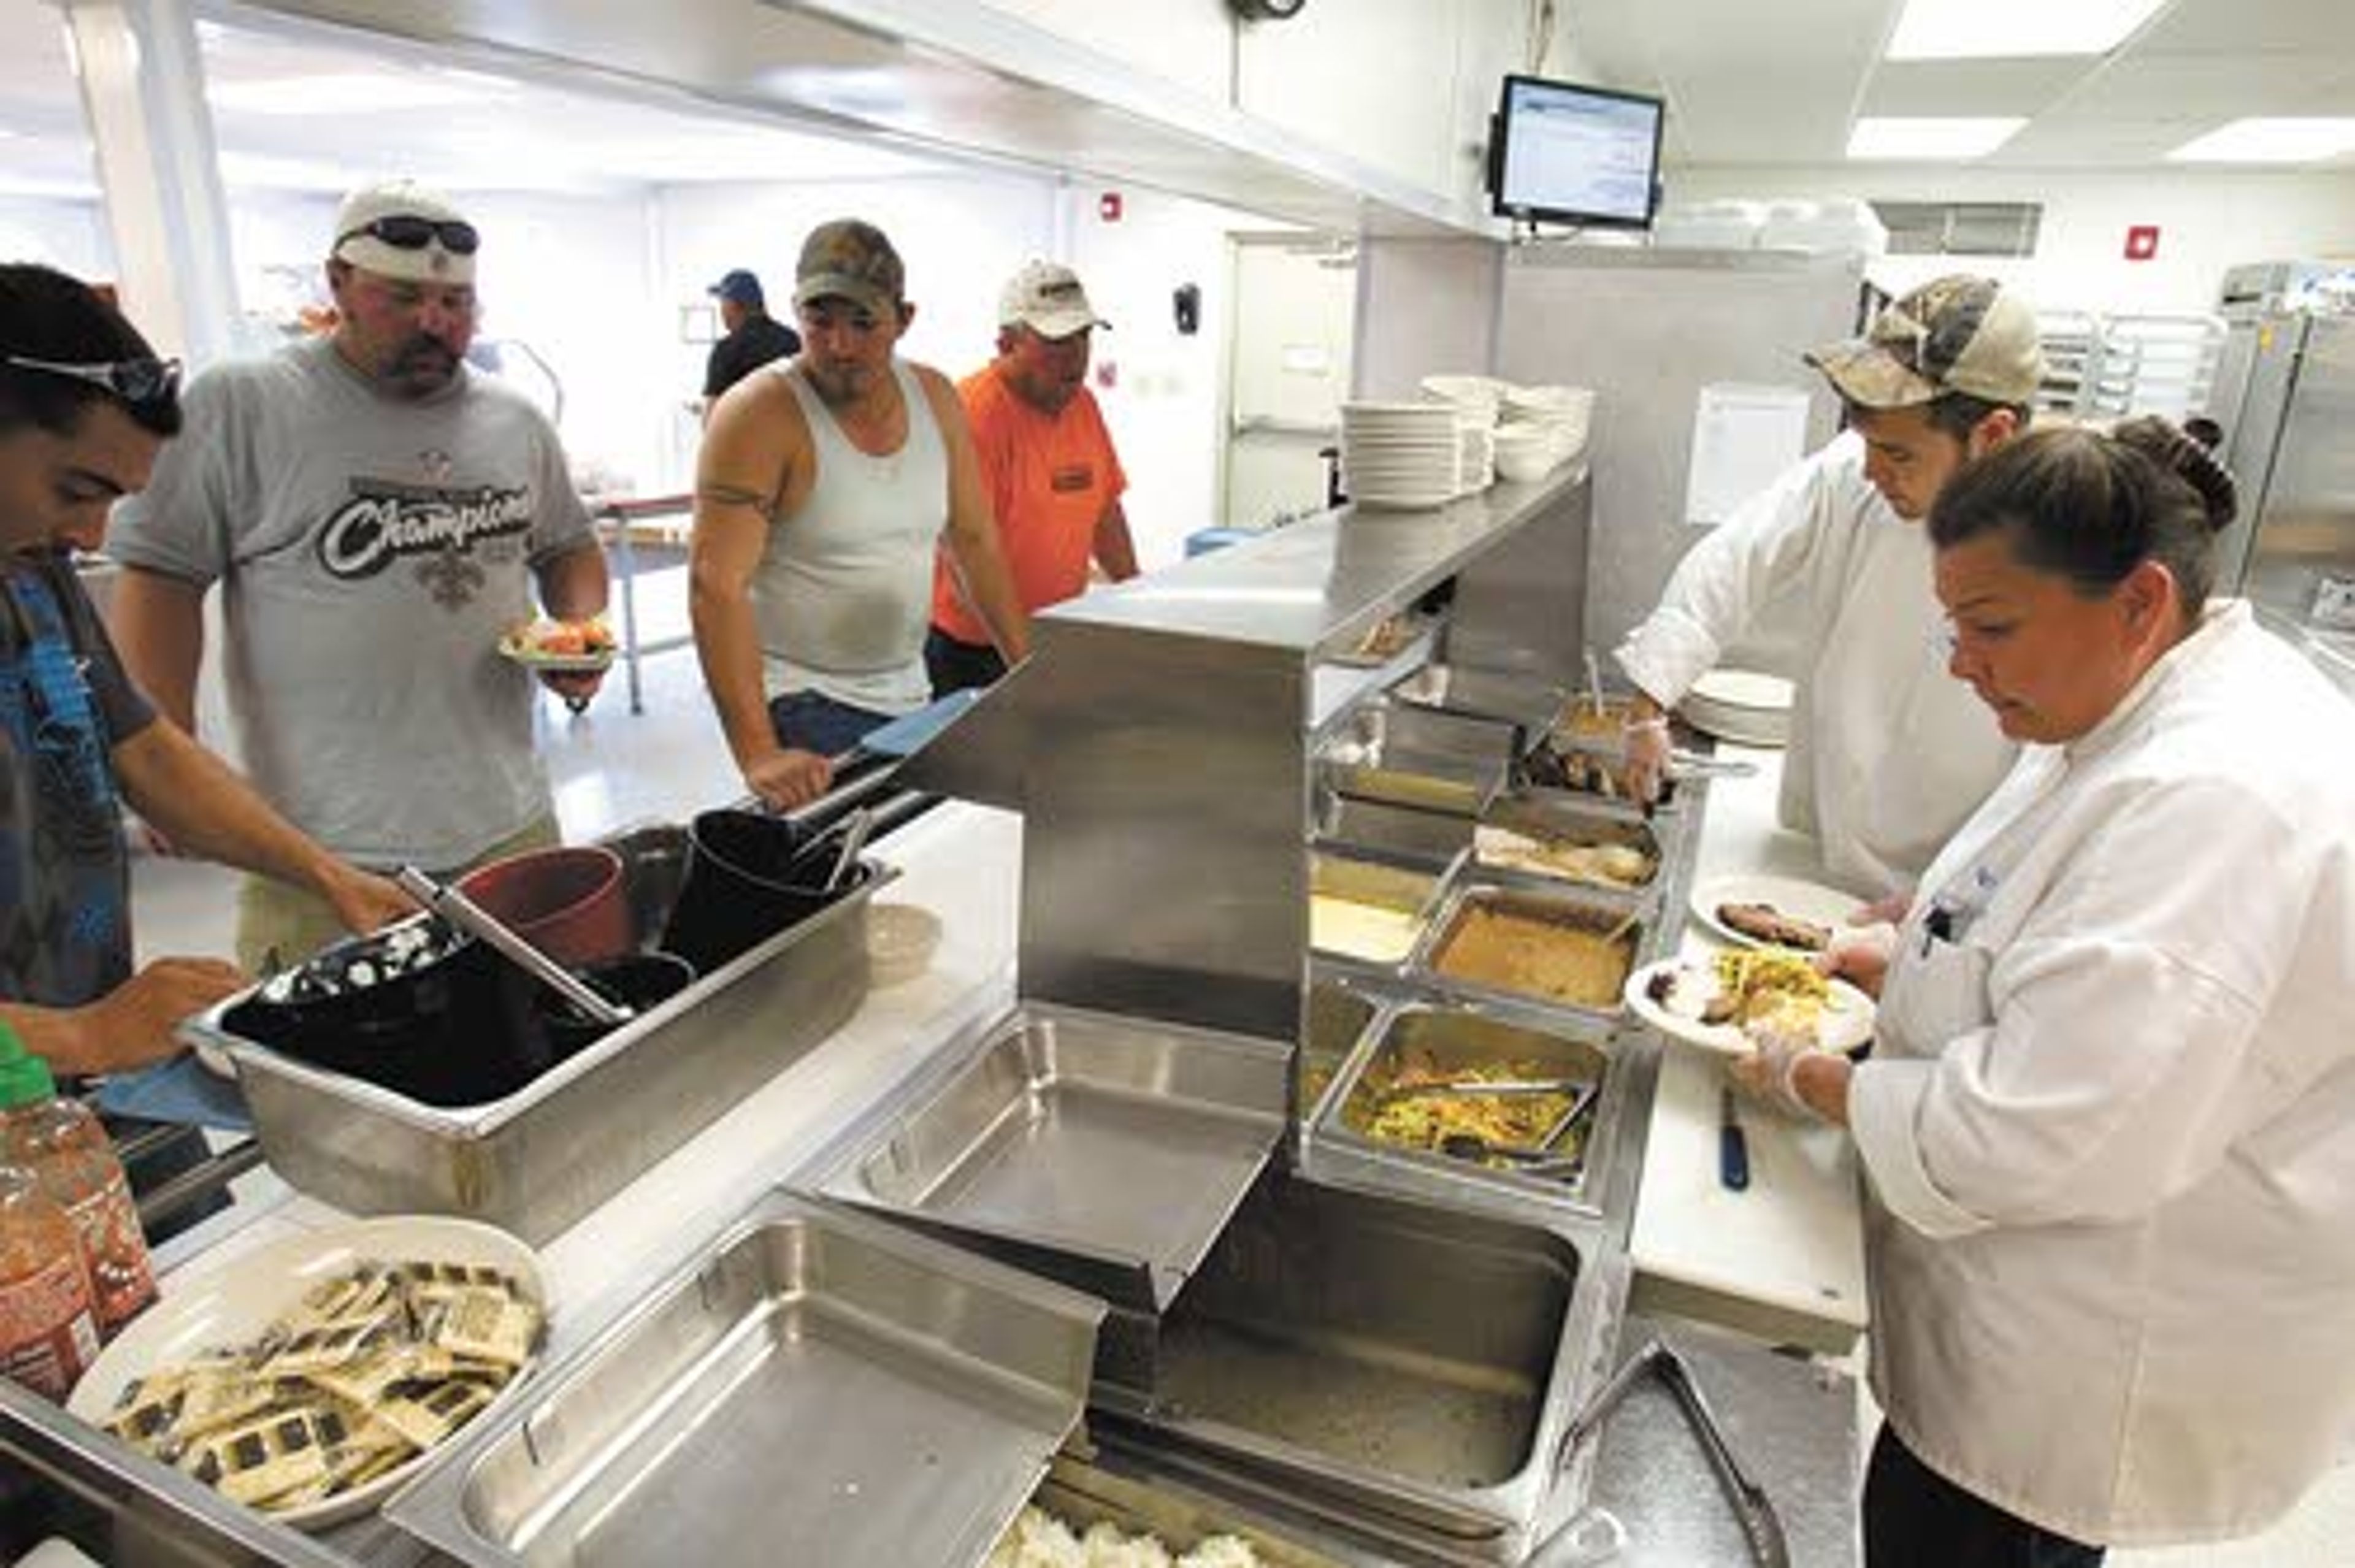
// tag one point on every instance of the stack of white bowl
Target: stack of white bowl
(1542, 428)
(1401, 455)
(1744, 706)
(1475, 398)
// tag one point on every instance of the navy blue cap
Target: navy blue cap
(740, 287)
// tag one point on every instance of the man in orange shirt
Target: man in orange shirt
(1054, 481)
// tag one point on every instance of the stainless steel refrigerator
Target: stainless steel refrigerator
(2291, 448)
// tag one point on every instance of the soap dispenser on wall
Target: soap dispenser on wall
(1187, 303)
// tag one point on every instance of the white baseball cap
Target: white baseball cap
(402, 229)
(1046, 297)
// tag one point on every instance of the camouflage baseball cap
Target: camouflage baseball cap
(1954, 334)
(850, 259)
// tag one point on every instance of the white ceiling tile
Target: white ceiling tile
(1971, 86)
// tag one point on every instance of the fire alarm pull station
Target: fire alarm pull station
(2142, 242)
(1108, 206)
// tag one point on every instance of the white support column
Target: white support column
(143, 88)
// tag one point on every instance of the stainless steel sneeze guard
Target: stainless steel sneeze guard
(815, 1386)
(1109, 1151)
(541, 1159)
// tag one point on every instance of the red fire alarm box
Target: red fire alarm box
(1108, 206)
(2142, 242)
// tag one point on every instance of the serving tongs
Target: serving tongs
(476, 921)
(1537, 1159)
(1762, 1526)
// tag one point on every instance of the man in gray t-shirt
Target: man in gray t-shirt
(378, 517)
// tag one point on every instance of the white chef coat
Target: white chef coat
(2110, 1120)
(1888, 753)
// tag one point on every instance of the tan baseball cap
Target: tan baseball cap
(1046, 297)
(403, 230)
(852, 260)
(1956, 334)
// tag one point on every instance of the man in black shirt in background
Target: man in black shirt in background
(754, 338)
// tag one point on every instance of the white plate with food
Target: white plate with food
(1720, 1003)
(565, 647)
(1751, 910)
(309, 1376)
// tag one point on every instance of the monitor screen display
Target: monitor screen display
(1577, 155)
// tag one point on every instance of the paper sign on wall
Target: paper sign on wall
(1743, 436)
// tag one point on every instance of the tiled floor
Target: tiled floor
(610, 768)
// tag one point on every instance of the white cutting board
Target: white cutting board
(1783, 1259)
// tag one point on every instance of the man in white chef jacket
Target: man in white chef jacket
(1888, 755)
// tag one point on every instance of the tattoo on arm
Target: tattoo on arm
(737, 495)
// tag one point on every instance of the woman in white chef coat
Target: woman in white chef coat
(2110, 1117)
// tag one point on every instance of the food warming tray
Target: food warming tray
(1435, 839)
(1452, 1036)
(1397, 1367)
(1108, 1150)
(813, 1387)
(1419, 756)
(1578, 909)
(537, 1160)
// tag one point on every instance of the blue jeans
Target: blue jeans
(810, 722)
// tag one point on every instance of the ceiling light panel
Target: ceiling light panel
(2270, 141)
(1930, 138)
(1997, 29)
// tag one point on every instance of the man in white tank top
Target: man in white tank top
(826, 486)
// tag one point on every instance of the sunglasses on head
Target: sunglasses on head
(132, 381)
(403, 232)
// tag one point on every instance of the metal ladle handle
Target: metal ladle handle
(472, 918)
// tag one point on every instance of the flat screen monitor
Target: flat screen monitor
(1567, 154)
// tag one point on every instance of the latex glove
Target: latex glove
(1646, 746)
(1770, 1073)
(1860, 955)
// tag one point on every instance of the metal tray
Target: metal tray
(1581, 909)
(1413, 892)
(1418, 756)
(539, 1160)
(1454, 1035)
(1535, 704)
(1340, 1010)
(813, 1387)
(1133, 1496)
(1431, 839)
(1106, 1150)
(1397, 1367)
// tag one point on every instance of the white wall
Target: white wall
(2207, 221)
(68, 235)
(1168, 395)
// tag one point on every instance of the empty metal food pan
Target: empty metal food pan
(1401, 1367)
(814, 1387)
(1450, 1039)
(1475, 947)
(1419, 756)
(1107, 1149)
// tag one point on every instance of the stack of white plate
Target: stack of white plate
(1476, 458)
(1401, 455)
(1743, 706)
(1476, 398)
(1557, 416)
